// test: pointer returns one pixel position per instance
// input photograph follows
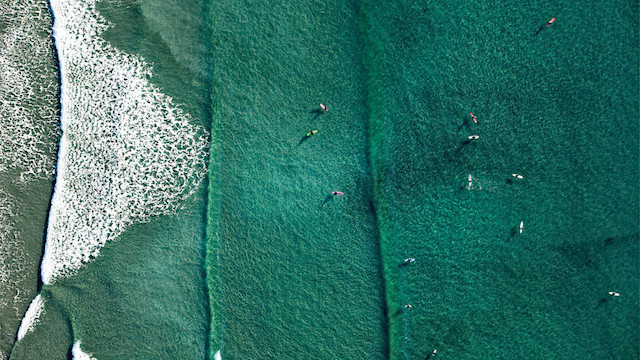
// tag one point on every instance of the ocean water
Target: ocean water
(193, 219)
(29, 133)
(559, 106)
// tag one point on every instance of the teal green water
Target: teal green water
(559, 107)
(263, 264)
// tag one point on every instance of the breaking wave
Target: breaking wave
(78, 354)
(127, 153)
(31, 317)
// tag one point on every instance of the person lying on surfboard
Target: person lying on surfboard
(338, 193)
(312, 132)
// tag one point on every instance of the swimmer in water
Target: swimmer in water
(550, 21)
(473, 117)
(337, 193)
(408, 261)
(474, 137)
(517, 176)
(613, 293)
(323, 107)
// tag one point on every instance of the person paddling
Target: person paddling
(408, 306)
(323, 107)
(337, 193)
(473, 117)
(517, 176)
(521, 226)
(474, 137)
(550, 21)
(613, 293)
(408, 261)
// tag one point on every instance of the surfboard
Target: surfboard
(313, 132)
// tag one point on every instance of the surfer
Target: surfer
(521, 226)
(613, 293)
(323, 107)
(408, 261)
(470, 179)
(474, 137)
(517, 176)
(312, 132)
(550, 21)
(473, 117)
(408, 306)
(432, 354)
(337, 193)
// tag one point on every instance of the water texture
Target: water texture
(29, 133)
(193, 219)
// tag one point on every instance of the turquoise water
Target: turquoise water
(261, 262)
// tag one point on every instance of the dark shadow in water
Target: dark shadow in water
(465, 122)
(317, 112)
(602, 301)
(329, 198)
(515, 231)
(463, 144)
(608, 241)
(509, 181)
(304, 138)
(540, 29)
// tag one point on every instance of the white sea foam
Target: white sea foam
(78, 354)
(217, 356)
(127, 152)
(28, 91)
(11, 255)
(31, 317)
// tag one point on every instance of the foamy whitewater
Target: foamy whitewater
(78, 354)
(27, 92)
(28, 122)
(127, 153)
(31, 317)
(11, 253)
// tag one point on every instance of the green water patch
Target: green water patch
(299, 269)
(558, 105)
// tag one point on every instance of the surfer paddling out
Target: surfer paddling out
(323, 107)
(470, 180)
(474, 137)
(550, 21)
(312, 132)
(337, 193)
(521, 226)
(517, 176)
(613, 293)
(473, 117)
